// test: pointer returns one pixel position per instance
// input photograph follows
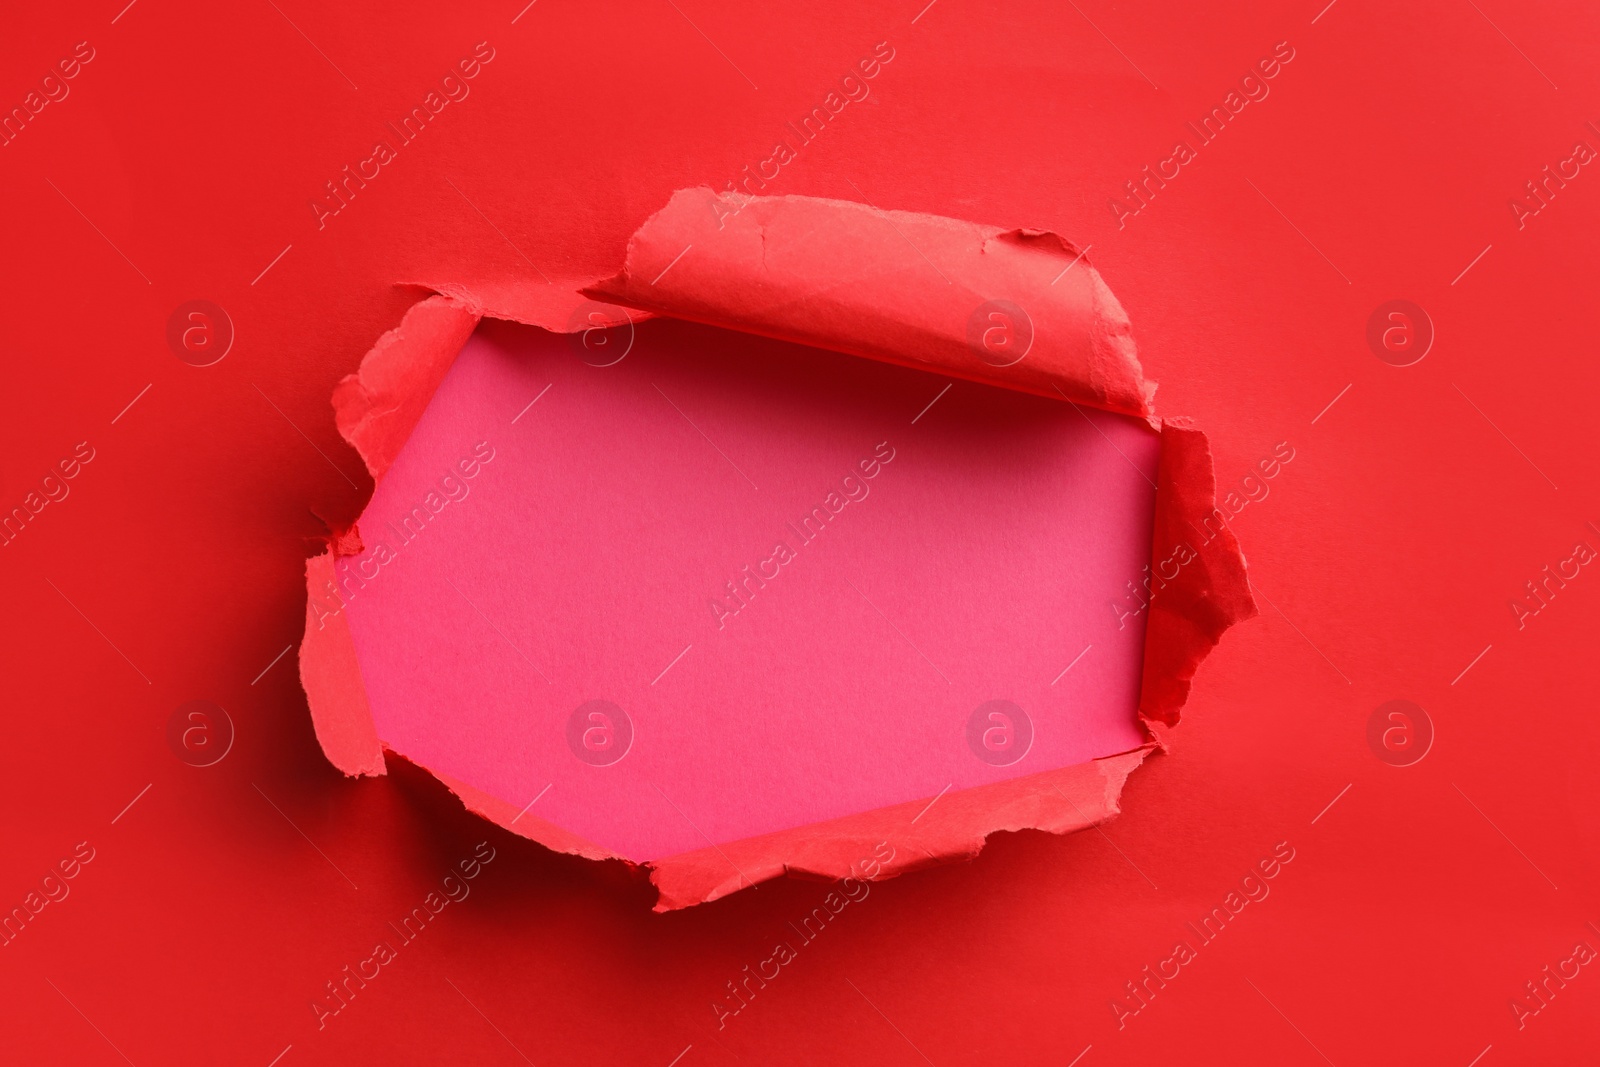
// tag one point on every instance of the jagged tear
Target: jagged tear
(892, 286)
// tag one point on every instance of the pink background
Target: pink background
(585, 555)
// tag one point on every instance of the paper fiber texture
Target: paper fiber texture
(800, 714)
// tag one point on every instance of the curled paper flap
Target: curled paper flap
(1021, 309)
(913, 290)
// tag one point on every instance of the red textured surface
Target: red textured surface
(1385, 555)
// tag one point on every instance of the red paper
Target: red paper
(1387, 164)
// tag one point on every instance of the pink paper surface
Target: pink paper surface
(582, 560)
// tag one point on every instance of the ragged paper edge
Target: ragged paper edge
(1196, 586)
(330, 673)
(376, 409)
(1190, 603)
(921, 833)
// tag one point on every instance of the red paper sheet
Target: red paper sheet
(1401, 154)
